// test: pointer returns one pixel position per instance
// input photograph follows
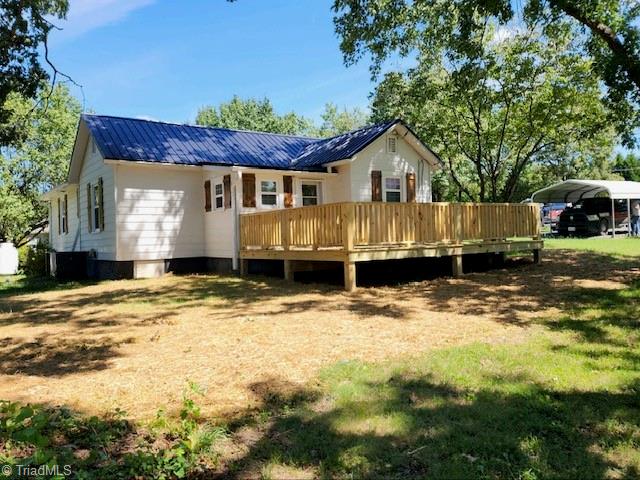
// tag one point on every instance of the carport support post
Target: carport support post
(456, 265)
(629, 216)
(613, 217)
(349, 275)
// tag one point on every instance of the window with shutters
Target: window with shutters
(219, 197)
(268, 193)
(392, 189)
(392, 141)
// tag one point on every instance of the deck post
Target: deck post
(348, 226)
(244, 267)
(288, 270)
(349, 275)
(537, 256)
(456, 265)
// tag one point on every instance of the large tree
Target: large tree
(24, 30)
(608, 31)
(253, 114)
(38, 162)
(520, 110)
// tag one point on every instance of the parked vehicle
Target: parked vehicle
(551, 214)
(592, 216)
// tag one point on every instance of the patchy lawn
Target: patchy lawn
(528, 372)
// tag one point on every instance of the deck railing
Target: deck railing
(353, 225)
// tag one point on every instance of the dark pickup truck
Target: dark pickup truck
(591, 216)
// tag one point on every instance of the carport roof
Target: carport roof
(575, 190)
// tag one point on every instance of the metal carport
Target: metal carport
(572, 191)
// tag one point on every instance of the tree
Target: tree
(24, 30)
(627, 166)
(37, 163)
(336, 122)
(505, 120)
(607, 31)
(252, 114)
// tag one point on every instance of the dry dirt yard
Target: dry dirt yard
(134, 344)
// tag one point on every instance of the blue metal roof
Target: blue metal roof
(150, 141)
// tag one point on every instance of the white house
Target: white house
(143, 197)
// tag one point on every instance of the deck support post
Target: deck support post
(349, 276)
(537, 256)
(456, 265)
(288, 270)
(244, 267)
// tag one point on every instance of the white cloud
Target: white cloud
(87, 15)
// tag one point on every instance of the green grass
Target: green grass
(564, 405)
(622, 246)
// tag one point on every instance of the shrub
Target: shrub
(33, 260)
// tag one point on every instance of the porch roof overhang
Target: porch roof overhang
(65, 187)
(576, 190)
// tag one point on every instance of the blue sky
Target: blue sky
(163, 59)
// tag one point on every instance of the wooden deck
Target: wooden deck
(358, 232)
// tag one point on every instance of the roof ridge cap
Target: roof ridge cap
(206, 127)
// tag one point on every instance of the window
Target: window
(310, 194)
(59, 217)
(219, 196)
(392, 189)
(391, 144)
(96, 208)
(65, 221)
(268, 193)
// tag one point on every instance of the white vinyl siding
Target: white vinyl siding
(104, 241)
(64, 242)
(375, 157)
(160, 212)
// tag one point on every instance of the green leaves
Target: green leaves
(252, 114)
(23, 31)
(605, 32)
(260, 116)
(524, 105)
(37, 162)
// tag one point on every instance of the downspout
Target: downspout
(236, 229)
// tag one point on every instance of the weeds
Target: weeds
(112, 447)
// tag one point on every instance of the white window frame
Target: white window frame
(385, 189)
(95, 208)
(318, 197)
(392, 140)
(261, 192)
(216, 195)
